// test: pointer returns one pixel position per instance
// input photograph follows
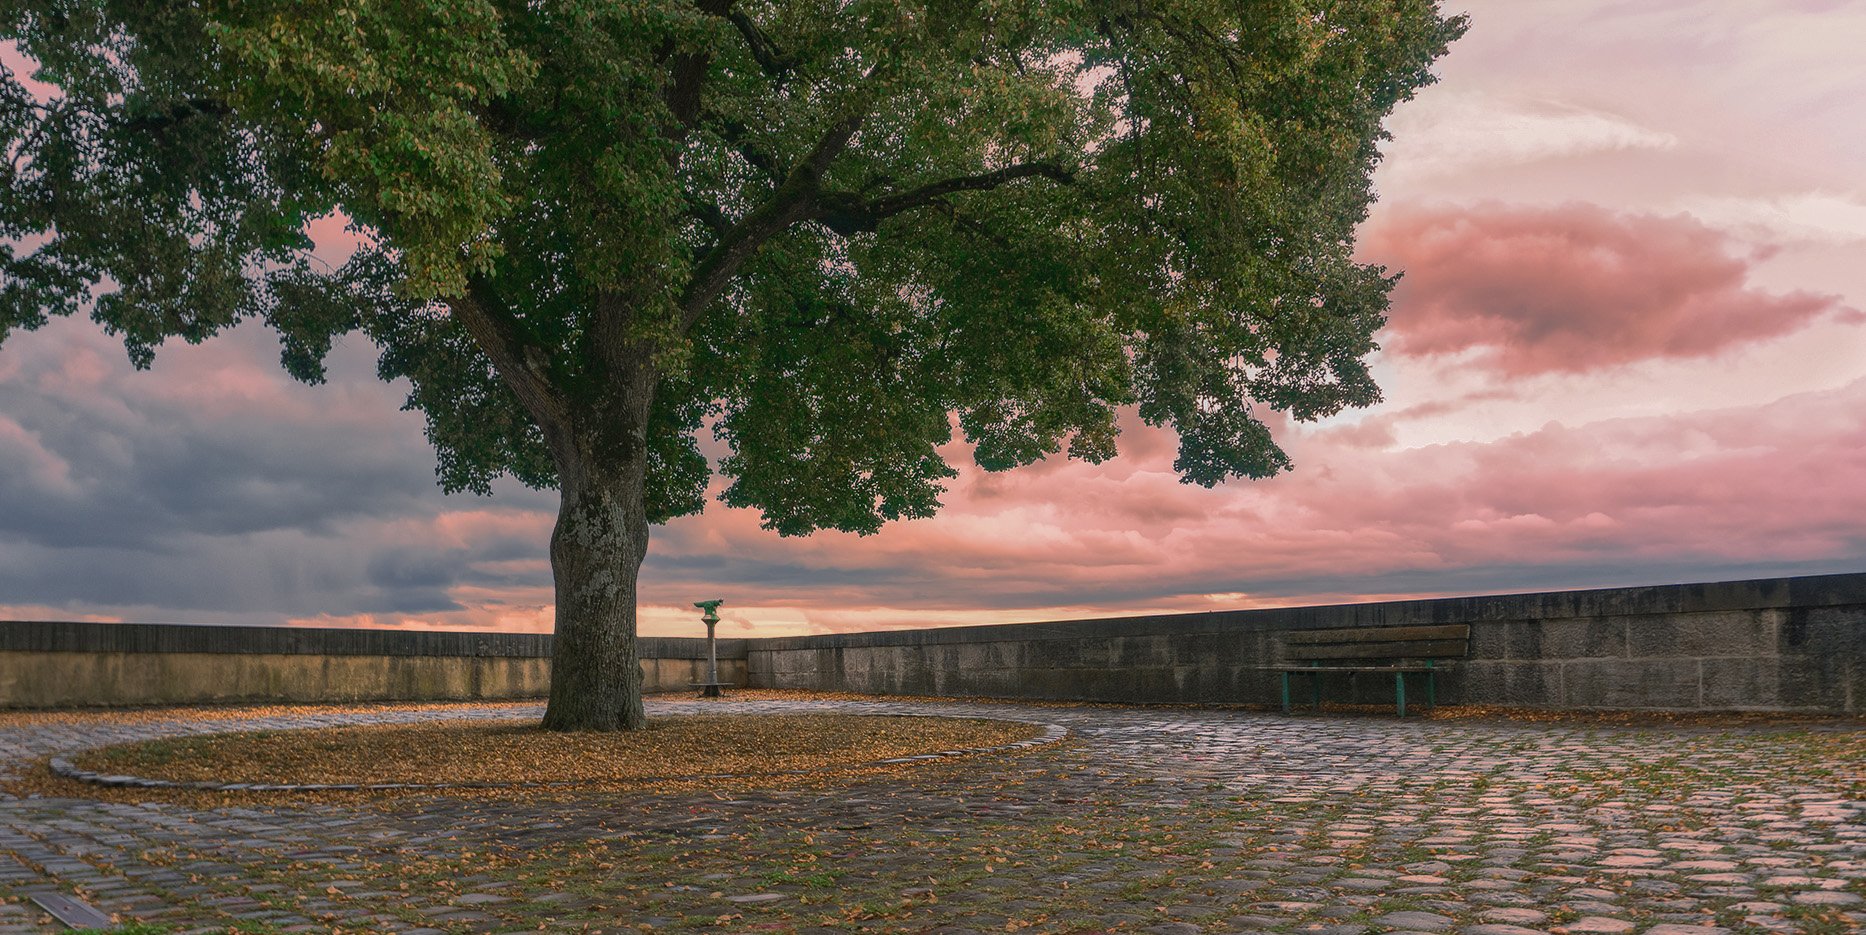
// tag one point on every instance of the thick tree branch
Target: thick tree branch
(739, 136)
(160, 122)
(831, 145)
(791, 204)
(777, 65)
(683, 92)
(708, 214)
(514, 120)
(847, 213)
(688, 76)
(522, 366)
(971, 224)
(795, 200)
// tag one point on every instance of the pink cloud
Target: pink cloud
(215, 490)
(1719, 491)
(62, 614)
(1574, 288)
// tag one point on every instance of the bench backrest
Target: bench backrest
(1451, 641)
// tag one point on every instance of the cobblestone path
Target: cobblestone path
(1173, 822)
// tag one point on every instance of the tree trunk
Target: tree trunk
(596, 553)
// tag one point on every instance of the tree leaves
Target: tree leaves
(381, 97)
(828, 228)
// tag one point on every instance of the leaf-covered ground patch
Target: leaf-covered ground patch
(507, 751)
(1147, 820)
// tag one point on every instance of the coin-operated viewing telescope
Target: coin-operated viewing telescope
(710, 688)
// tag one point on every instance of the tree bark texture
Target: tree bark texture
(597, 548)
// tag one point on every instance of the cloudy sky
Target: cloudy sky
(1629, 349)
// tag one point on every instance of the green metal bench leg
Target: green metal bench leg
(1285, 692)
(1315, 689)
(1399, 691)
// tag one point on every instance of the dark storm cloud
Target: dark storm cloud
(134, 460)
(213, 484)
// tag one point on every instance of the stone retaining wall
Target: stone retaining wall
(1782, 644)
(49, 664)
(1785, 644)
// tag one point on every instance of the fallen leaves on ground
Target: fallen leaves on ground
(506, 751)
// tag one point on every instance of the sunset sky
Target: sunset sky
(1629, 348)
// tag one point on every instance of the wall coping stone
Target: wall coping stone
(1753, 594)
(55, 636)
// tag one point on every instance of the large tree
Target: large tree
(824, 230)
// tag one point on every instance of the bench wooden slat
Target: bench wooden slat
(1380, 634)
(1398, 650)
(1325, 670)
(1418, 649)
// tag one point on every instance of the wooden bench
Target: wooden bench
(1398, 650)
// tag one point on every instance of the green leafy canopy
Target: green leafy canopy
(826, 225)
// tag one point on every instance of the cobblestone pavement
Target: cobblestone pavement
(1174, 822)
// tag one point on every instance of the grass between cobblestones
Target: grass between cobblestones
(1148, 823)
(1149, 867)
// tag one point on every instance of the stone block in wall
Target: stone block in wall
(1504, 682)
(1575, 638)
(854, 669)
(1063, 654)
(1193, 684)
(1560, 638)
(929, 676)
(1049, 684)
(1081, 684)
(826, 668)
(789, 663)
(1818, 683)
(1257, 647)
(1794, 683)
(995, 683)
(996, 654)
(1228, 684)
(947, 673)
(1140, 652)
(1378, 688)
(1724, 633)
(1346, 688)
(1742, 684)
(1493, 639)
(915, 675)
(1203, 649)
(1074, 683)
(904, 669)
(677, 675)
(1132, 685)
(1453, 683)
(1824, 631)
(38, 680)
(1670, 684)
